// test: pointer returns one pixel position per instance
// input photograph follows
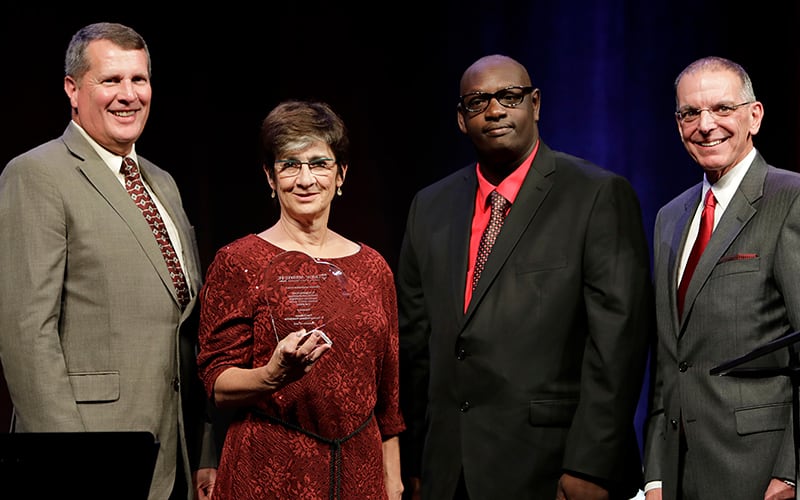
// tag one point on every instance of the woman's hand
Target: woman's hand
(295, 356)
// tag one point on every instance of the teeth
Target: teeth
(123, 113)
(712, 143)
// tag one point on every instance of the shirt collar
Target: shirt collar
(726, 186)
(510, 186)
(113, 161)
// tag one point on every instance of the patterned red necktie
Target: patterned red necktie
(499, 205)
(140, 196)
(703, 235)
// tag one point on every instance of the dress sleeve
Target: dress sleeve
(226, 318)
(387, 408)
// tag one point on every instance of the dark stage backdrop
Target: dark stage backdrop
(605, 70)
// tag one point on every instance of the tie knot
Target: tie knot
(710, 201)
(498, 201)
(129, 167)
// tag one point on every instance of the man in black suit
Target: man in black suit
(525, 386)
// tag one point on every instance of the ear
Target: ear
(71, 89)
(342, 174)
(268, 173)
(536, 102)
(756, 115)
(461, 124)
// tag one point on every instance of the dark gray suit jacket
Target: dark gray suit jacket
(744, 293)
(544, 370)
(90, 326)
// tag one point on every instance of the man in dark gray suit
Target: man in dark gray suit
(712, 437)
(525, 387)
(90, 318)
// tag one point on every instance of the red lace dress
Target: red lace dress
(319, 437)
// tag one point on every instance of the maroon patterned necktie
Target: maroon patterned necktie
(499, 205)
(703, 235)
(140, 196)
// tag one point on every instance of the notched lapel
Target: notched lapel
(680, 232)
(114, 193)
(532, 194)
(736, 216)
(456, 245)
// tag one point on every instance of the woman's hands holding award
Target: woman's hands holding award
(305, 295)
(295, 355)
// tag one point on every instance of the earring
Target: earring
(272, 195)
(339, 190)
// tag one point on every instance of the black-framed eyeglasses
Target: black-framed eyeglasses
(319, 167)
(509, 97)
(689, 115)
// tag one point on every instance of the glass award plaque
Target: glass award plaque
(304, 292)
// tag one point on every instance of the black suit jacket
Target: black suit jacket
(544, 370)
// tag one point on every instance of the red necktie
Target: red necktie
(703, 235)
(499, 205)
(140, 196)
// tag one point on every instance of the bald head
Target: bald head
(495, 63)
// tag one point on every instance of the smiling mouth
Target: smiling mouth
(711, 144)
(123, 114)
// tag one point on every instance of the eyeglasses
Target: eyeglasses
(320, 167)
(689, 115)
(509, 97)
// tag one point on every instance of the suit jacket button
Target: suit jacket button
(176, 384)
(674, 424)
(464, 406)
(683, 366)
(462, 353)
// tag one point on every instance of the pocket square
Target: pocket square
(738, 256)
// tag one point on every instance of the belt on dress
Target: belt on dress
(335, 444)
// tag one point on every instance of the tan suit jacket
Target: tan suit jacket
(90, 326)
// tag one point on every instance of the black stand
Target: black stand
(733, 368)
(93, 465)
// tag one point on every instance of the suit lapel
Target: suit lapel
(532, 193)
(678, 242)
(736, 216)
(456, 240)
(109, 187)
(175, 211)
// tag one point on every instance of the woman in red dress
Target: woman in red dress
(317, 413)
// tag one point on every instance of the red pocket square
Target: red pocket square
(738, 256)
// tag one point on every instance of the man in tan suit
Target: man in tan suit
(91, 335)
